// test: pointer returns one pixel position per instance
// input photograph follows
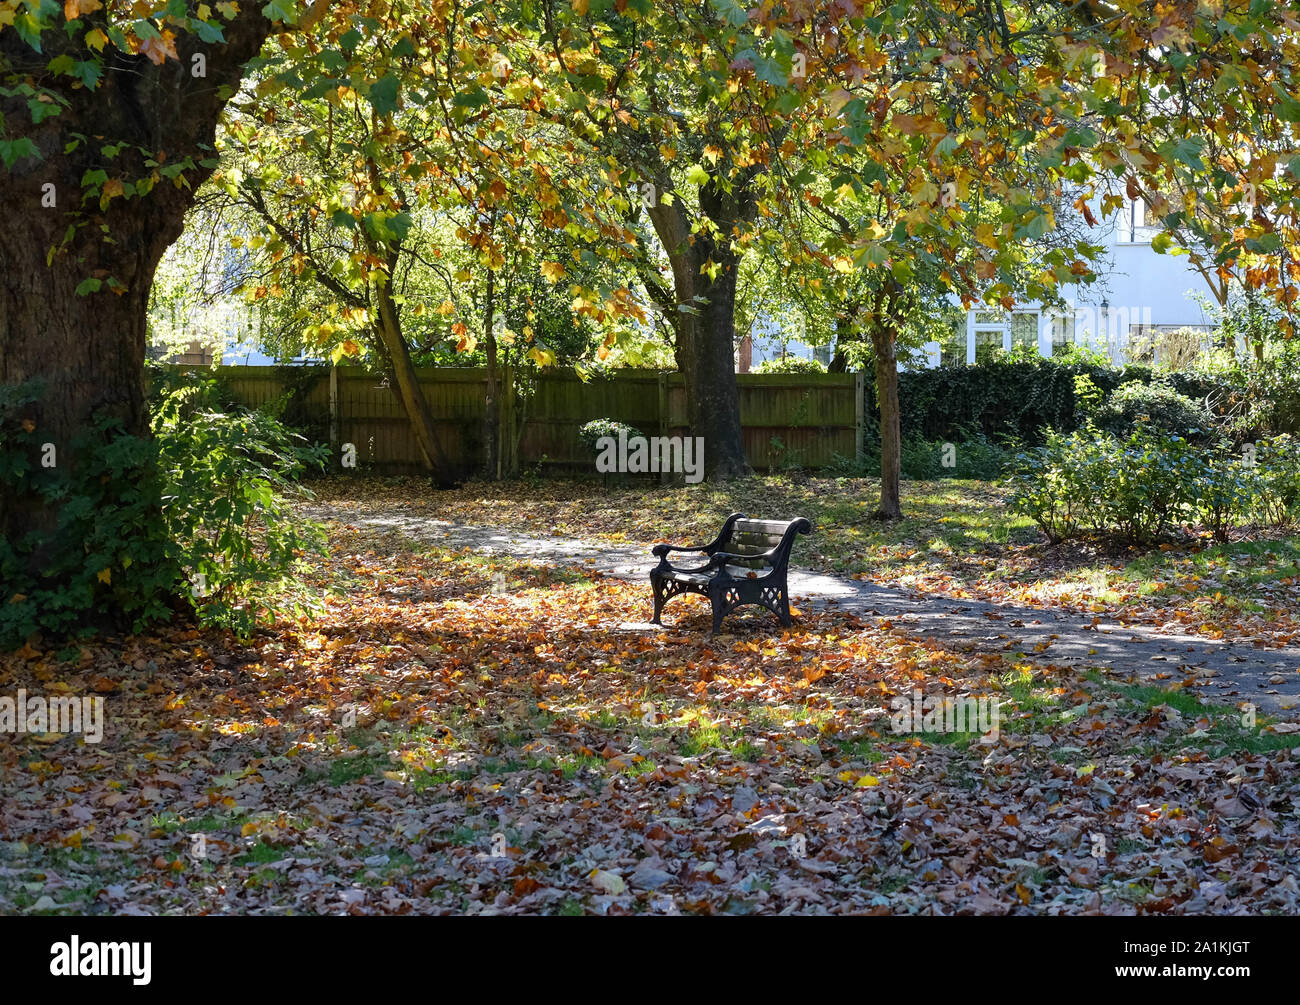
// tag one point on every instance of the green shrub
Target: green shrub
(1155, 405)
(1227, 488)
(1020, 397)
(790, 364)
(134, 519)
(227, 477)
(595, 430)
(1277, 467)
(1048, 485)
(1090, 481)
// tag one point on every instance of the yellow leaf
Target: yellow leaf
(580, 6)
(96, 39)
(866, 781)
(104, 575)
(553, 271)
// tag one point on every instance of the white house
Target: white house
(1140, 294)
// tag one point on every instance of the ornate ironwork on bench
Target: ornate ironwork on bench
(747, 564)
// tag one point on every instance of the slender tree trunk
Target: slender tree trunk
(492, 399)
(409, 392)
(883, 341)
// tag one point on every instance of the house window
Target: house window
(1062, 334)
(1024, 330)
(1133, 228)
(953, 348)
(986, 342)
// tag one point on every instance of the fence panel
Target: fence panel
(787, 419)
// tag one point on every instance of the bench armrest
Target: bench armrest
(661, 551)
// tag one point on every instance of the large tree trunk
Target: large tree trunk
(88, 350)
(713, 399)
(706, 327)
(883, 341)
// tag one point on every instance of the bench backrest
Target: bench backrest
(756, 537)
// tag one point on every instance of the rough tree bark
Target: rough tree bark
(705, 321)
(88, 351)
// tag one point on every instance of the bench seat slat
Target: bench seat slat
(772, 528)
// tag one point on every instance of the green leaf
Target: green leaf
(88, 286)
(731, 12)
(281, 10)
(1287, 107)
(12, 151)
(383, 95)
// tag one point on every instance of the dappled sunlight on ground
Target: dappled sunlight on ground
(468, 733)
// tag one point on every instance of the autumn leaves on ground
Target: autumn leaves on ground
(453, 733)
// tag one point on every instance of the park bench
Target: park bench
(747, 564)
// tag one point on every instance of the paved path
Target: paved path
(1228, 671)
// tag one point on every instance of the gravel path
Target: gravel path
(1228, 671)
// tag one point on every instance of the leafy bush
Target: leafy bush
(590, 434)
(1093, 482)
(227, 477)
(1139, 487)
(1048, 485)
(790, 364)
(133, 519)
(1227, 488)
(1156, 405)
(1277, 465)
(1020, 398)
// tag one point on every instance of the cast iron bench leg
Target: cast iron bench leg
(719, 612)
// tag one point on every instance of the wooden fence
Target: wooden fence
(787, 419)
